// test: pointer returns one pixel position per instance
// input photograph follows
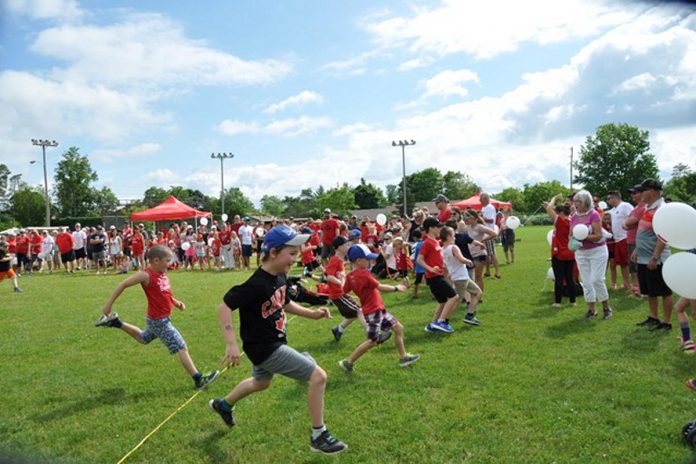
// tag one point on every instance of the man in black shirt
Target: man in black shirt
(97, 240)
(263, 301)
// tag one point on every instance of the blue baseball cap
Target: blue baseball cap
(360, 251)
(355, 233)
(282, 235)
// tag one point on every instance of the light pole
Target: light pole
(403, 144)
(222, 157)
(571, 168)
(43, 144)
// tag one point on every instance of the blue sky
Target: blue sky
(309, 93)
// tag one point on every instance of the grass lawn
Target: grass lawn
(533, 384)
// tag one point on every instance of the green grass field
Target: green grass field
(533, 384)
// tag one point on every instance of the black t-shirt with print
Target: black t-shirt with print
(260, 301)
(4, 261)
(462, 240)
(97, 247)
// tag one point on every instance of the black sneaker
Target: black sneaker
(327, 444)
(589, 314)
(108, 320)
(608, 313)
(336, 333)
(649, 322)
(661, 327)
(408, 360)
(346, 365)
(227, 417)
(204, 380)
(383, 337)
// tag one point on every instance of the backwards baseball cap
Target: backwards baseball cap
(282, 235)
(338, 241)
(354, 234)
(636, 189)
(441, 198)
(430, 223)
(651, 184)
(327, 210)
(360, 251)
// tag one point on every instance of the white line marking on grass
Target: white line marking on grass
(156, 429)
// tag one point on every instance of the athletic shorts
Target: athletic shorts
(98, 256)
(490, 247)
(327, 251)
(80, 253)
(632, 266)
(346, 306)
(246, 250)
(621, 253)
(259, 244)
(480, 259)
(285, 361)
(9, 274)
(651, 282)
(467, 285)
(419, 277)
(440, 288)
(165, 331)
(472, 272)
(312, 265)
(379, 321)
(67, 257)
(126, 251)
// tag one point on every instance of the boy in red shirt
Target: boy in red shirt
(160, 299)
(329, 230)
(309, 259)
(65, 243)
(430, 259)
(335, 278)
(379, 321)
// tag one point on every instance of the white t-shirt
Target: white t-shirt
(79, 237)
(488, 212)
(389, 257)
(245, 233)
(619, 214)
(47, 245)
(456, 269)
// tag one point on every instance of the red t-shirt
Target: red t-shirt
(444, 215)
(431, 251)
(159, 295)
(137, 243)
(11, 245)
(36, 241)
(217, 244)
(335, 267)
(329, 230)
(363, 284)
(637, 213)
(22, 245)
(64, 241)
(308, 254)
(364, 232)
(401, 260)
(226, 237)
(235, 227)
(559, 242)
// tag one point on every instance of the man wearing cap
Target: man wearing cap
(620, 211)
(329, 231)
(444, 211)
(64, 241)
(430, 259)
(246, 233)
(650, 254)
(263, 301)
(98, 241)
(79, 238)
(630, 225)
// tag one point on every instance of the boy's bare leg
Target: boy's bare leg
(362, 348)
(245, 388)
(186, 361)
(399, 339)
(315, 396)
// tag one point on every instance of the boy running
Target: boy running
(379, 321)
(335, 278)
(263, 301)
(6, 268)
(160, 299)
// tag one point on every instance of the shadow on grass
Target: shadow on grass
(216, 449)
(572, 326)
(641, 341)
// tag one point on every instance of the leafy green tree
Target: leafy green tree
(73, 192)
(424, 185)
(341, 200)
(616, 158)
(458, 186)
(153, 196)
(272, 205)
(28, 206)
(536, 194)
(368, 195)
(105, 201)
(514, 196)
(393, 194)
(237, 203)
(682, 186)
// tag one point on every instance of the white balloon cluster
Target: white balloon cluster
(675, 223)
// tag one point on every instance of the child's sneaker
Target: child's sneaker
(590, 314)
(346, 365)
(691, 384)
(327, 444)
(442, 326)
(688, 346)
(227, 416)
(608, 313)
(336, 333)
(383, 337)
(408, 360)
(429, 328)
(17, 290)
(108, 320)
(204, 380)
(471, 319)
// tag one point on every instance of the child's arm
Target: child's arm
(179, 304)
(296, 309)
(459, 257)
(232, 353)
(391, 288)
(139, 278)
(421, 262)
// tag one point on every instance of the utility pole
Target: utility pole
(571, 168)
(222, 157)
(403, 144)
(43, 144)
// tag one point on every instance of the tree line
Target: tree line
(616, 157)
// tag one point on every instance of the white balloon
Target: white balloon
(185, 246)
(676, 224)
(581, 231)
(549, 237)
(224, 217)
(678, 272)
(381, 219)
(204, 221)
(606, 234)
(211, 240)
(512, 222)
(550, 275)
(260, 232)
(603, 205)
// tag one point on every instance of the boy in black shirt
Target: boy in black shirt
(6, 268)
(263, 301)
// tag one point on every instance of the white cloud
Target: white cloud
(163, 177)
(299, 100)
(415, 63)
(138, 151)
(448, 83)
(234, 127)
(350, 129)
(353, 66)
(487, 29)
(66, 10)
(286, 127)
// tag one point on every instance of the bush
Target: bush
(537, 220)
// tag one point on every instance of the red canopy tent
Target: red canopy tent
(475, 203)
(170, 209)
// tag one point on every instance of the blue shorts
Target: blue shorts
(246, 250)
(165, 331)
